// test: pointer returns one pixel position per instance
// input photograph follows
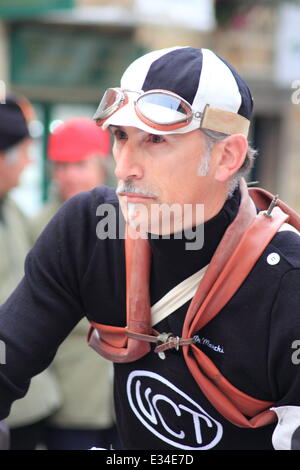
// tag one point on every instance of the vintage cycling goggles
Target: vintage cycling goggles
(166, 111)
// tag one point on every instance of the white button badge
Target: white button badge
(273, 258)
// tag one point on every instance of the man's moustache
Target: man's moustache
(130, 188)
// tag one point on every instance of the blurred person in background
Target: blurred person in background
(78, 152)
(27, 415)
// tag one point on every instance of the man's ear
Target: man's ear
(230, 154)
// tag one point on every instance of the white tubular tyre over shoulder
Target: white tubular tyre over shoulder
(286, 435)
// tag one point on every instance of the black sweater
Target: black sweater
(70, 272)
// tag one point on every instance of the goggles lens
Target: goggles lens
(112, 99)
(155, 108)
(163, 108)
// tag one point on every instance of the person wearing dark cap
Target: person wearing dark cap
(16, 239)
(14, 145)
(189, 279)
(13, 158)
(15, 230)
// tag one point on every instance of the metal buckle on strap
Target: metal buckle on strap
(164, 341)
(268, 212)
(168, 341)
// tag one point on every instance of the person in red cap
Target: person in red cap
(78, 152)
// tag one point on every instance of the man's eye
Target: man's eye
(157, 139)
(119, 135)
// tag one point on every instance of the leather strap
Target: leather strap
(241, 246)
(262, 198)
(111, 342)
(227, 399)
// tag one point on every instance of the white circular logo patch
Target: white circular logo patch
(169, 413)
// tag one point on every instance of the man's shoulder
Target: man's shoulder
(102, 194)
(86, 202)
(287, 244)
(77, 217)
(99, 195)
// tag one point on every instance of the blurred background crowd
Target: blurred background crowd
(57, 57)
(62, 55)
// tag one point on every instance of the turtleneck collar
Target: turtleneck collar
(172, 262)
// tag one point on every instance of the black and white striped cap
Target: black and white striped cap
(200, 77)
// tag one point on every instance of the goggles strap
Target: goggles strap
(226, 122)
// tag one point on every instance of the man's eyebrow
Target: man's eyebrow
(112, 127)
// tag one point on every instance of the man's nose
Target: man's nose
(128, 163)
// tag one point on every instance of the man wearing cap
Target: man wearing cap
(201, 336)
(78, 152)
